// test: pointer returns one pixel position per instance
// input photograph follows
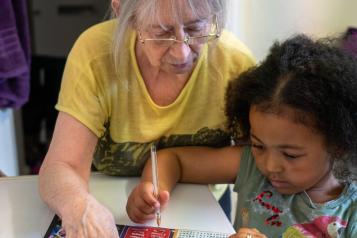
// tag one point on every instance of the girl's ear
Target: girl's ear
(116, 7)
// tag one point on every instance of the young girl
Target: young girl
(298, 113)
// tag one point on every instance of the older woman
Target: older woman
(156, 74)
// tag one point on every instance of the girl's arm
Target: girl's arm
(202, 165)
(195, 165)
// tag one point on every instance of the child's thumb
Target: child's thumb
(164, 197)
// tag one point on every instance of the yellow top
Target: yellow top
(119, 110)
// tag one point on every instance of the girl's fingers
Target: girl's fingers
(249, 233)
(164, 198)
(142, 202)
(139, 217)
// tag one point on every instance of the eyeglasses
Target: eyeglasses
(198, 38)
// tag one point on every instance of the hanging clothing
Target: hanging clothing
(14, 53)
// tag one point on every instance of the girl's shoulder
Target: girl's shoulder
(351, 195)
(248, 175)
(351, 191)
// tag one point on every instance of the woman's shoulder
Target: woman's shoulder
(103, 29)
(231, 41)
(231, 45)
(96, 39)
(230, 52)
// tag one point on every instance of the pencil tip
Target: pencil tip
(158, 221)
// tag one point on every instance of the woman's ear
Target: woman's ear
(116, 7)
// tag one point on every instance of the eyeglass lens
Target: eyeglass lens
(193, 36)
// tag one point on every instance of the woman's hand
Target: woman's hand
(87, 218)
(248, 233)
(142, 203)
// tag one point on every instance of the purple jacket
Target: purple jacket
(14, 54)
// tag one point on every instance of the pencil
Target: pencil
(155, 182)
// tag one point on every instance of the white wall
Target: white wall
(258, 23)
(8, 148)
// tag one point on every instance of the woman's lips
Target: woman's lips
(180, 66)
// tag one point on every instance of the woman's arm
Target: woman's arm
(64, 178)
(66, 168)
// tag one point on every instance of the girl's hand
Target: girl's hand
(141, 203)
(248, 233)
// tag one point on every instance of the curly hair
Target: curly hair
(315, 78)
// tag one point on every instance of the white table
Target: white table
(23, 214)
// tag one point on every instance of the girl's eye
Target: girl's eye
(257, 146)
(291, 156)
(257, 149)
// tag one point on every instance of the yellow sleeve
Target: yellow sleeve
(83, 82)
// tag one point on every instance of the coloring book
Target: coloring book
(125, 231)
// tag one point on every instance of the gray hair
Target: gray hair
(143, 13)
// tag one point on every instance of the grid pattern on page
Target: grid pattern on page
(199, 234)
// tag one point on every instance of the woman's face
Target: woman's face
(178, 58)
(290, 155)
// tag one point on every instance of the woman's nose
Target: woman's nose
(180, 49)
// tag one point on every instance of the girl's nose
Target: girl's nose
(273, 163)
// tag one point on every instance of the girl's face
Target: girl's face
(290, 155)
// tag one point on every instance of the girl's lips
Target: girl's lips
(278, 183)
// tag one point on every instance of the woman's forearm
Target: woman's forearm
(66, 192)
(61, 187)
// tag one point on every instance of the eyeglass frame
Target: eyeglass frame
(186, 39)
